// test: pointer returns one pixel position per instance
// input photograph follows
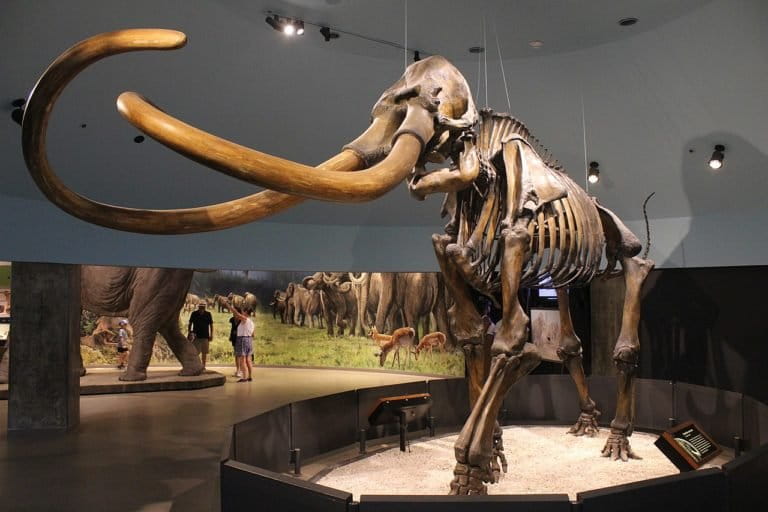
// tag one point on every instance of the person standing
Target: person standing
(233, 323)
(243, 342)
(201, 331)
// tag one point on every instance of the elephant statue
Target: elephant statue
(150, 298)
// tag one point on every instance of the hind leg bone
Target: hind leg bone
(569, 351)
(625, 356)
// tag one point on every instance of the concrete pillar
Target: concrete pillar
(606, 304)
(44, 376)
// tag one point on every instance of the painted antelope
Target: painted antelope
(402, 338)
(515, 219)
(430, 341)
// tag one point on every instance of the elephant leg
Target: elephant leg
(478, 444)
(569, 351)
(184, 351)
(626, 355)
(141, 351)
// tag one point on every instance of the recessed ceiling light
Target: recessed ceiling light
(627, 22)
(536, 43)
(476, 49)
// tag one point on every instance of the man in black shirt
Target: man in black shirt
(201, 330)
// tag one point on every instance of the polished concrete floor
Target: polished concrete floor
(151, 452)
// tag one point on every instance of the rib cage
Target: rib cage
(566, 234)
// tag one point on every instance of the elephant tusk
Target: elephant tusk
(277, 173)
(189, 220)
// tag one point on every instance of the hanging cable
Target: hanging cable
(485, 58)
(584, 134)
(479, 73)
(405, 38)
(501, 64)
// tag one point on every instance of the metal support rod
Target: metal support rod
(403, 430)
(738, 446)
(431, 425)
(296, 460)
(363, 439)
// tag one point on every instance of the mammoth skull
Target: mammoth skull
(427, 115)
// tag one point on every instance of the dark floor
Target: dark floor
(151, 451)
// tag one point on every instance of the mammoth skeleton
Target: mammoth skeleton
(515, 219)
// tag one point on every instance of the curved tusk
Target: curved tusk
(189, 220)
(277, 173)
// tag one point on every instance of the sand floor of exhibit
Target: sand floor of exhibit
(152, 452)
(542, 460)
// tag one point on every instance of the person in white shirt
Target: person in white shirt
(243, 342)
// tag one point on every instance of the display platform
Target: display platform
(271, 458)
(101, 381)
(542, 459)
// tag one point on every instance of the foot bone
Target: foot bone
(617, 447)
(586, 424)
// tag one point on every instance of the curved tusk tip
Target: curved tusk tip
(171, 39)
(176, 38)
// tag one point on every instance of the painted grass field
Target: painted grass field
(290, 345)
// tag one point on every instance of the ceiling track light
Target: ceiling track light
(593, 175)
(416, 56)
(287, 26)
(718, 156)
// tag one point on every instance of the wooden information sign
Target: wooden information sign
(687, 446)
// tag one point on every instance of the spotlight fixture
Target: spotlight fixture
(627, 22)
(594, 172)
(416, 56)
(287, 26)
(716, 161)
(476, 49)
(536, 43)
(327, 34)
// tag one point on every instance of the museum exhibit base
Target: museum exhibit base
(101, 381)
(256, 462)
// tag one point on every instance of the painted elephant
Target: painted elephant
(191, 301)
(291, 304)
(309, 306)
(339, 303)
(395, 300)
(419, 295)
(278, 305)
(150, 298)
(236, 300)
(250, 301)
(368, 288)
